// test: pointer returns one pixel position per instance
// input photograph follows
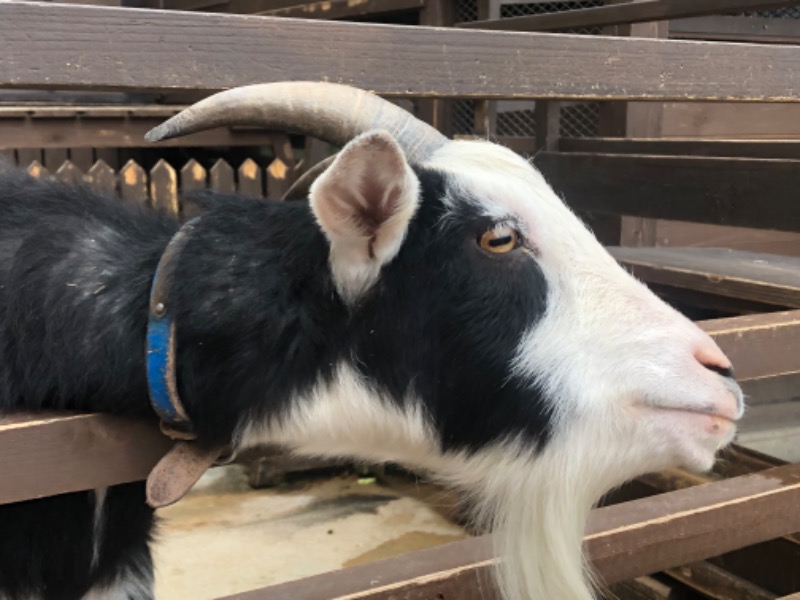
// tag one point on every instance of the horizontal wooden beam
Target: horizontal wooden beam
(85, 47)
(345, 9)
(684, 147)
(759, 346)
(46, 455)
(623, 541)
(765, 278)
(763, 30)
(626, 13)
(112, 132)
(758, 193)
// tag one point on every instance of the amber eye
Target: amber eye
(499, 240)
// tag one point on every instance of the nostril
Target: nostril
(724, 371)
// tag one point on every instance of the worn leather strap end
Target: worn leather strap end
(178, 471)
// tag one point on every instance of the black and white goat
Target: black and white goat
(434, 304)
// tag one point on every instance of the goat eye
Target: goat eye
(499, 240)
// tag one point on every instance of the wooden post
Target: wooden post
(437, 13)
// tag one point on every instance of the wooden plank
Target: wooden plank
(221, 177)
(732, 121)
(101, 177)
(54, 157)
(345, 9)
(765, 278)
(759, 345)
(718, 583)
(69, 173)
(164, 188)
(763, 30)
(112, 132)
(133, 184)
(280, 172)
(624, 13)
(680, 147)
(728, 191)
(623, 541)
(42, 41)
(35, 169)
(43, 455)
(250, 179)
(83, 158)
(193, 177)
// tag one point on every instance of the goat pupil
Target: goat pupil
(500, 241)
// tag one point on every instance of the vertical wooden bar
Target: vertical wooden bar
(280, 172)
(133, 183)
(7, 155)
(27, 156)
(110, 156)
(164, 188)
(69, 173)
(35, 169)
(221, 177)
(250, 181)
(193, 177)
(101, 177)
(548, 125)
(437, 13)
(485, 123)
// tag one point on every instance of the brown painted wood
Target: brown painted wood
(221, 177)
(101, 177)
(250, 179)
(280, 172)
(164, 188)
(42, 41)
(83, 158)
(624, 13)
(345, 9)
(729, 191)
(718, 583)
(69, 173)
(35, 169)
(679, 147)
(764, 278)
(732, 120)
(43, 455)
(623, 541)
(737, 29)
(765, 345)
(111, 132)
(133, 184)
(193, 177)
(54, 157)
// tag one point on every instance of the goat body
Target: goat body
(451, 315)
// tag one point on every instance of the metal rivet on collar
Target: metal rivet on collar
(160, 309)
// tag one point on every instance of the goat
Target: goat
(433, 303)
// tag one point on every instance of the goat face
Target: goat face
(493, 341)
(489, 337)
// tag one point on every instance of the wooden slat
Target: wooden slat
(344, 9)
(44, 455)
(250, 179)
(766, 345)
(164, 188)
(221, 177)
(35, 169)
(117, 48)
(765, 278)
(101, 177)
(737, 29)
(681, 147)
(193, 177)
(624, 13)
(133, 184)
(111, 132)
(623, 541)
(717, 583)
(728, 191)
(69, 173)
(280, 172)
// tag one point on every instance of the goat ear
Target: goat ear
(364, 202)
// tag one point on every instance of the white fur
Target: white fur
(134, 583)
(370, 175)
(622, 369)
(98, 524)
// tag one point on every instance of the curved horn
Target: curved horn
(300, 188)
(331, 112)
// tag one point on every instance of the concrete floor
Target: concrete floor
(225, 537)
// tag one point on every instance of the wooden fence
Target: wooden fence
(162, 186)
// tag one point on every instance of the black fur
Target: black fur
(258, 322)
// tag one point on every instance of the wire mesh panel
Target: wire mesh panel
(790, 12)
(516, 118)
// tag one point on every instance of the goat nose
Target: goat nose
(708, 354)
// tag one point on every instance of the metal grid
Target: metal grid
(790, 12)
(517, 119)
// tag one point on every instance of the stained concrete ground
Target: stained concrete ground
(225, 537)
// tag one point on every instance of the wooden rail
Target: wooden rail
(623, 541)
(135, 49)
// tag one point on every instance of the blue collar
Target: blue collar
(160, 357)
